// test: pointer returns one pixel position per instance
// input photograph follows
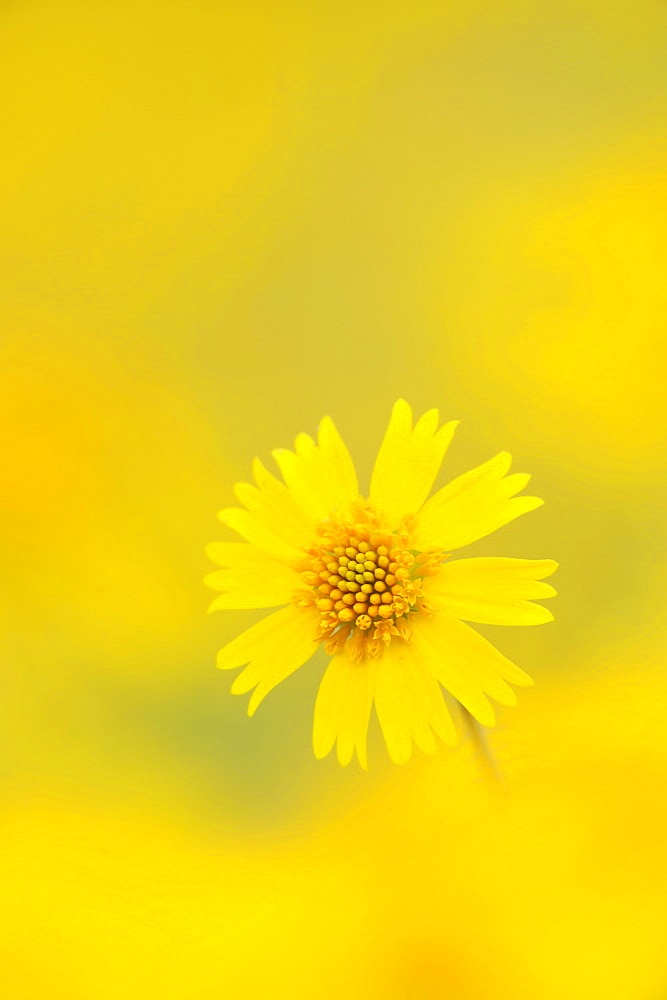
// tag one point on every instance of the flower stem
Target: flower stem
(481, 747)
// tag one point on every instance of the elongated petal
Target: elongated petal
(408, 462)
(255, 530)
(273, 649)
(272, 501)
(466, 664)
(343, 708)
(409, 703)
(320, 477)
(250, 578)
(340, 464)
(272, 519)
(472, 506)
(493, 591)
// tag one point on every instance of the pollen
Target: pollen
(365, 583)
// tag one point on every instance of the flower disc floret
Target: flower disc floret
(365, 583)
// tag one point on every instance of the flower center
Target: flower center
(366, 585)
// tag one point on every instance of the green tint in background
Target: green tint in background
(219, 222)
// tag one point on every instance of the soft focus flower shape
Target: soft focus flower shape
(372, 581)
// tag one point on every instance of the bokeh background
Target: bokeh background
(220, 221)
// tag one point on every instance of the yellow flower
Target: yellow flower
(367, 578)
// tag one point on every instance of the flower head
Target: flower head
(371, 581)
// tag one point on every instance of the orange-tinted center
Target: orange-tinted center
(366, 585)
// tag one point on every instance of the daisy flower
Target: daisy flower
(370, 579)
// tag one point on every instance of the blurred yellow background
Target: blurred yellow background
(221, 221)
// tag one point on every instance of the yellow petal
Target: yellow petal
(472, 506)
(320, 477)
(341, 466)
(409, 702)
(466, 664)
(273, 649)
(492, 591)
(272, 520)
(408, 462)
(255, 531)
(343, 708)
(250, 578)
(272, 501)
